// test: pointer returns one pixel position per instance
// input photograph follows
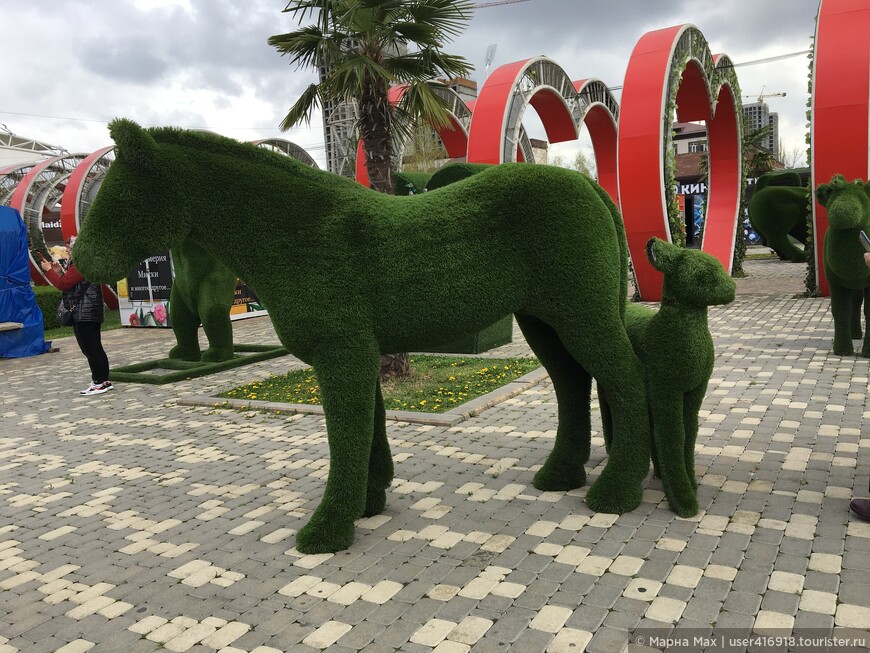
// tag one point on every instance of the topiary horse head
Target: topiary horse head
(347, 274)
(848, 208)
(676, 348)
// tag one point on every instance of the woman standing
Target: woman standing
(85, 300)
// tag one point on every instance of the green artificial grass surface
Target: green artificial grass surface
(436, 384)
(181, 370)
(112, 321)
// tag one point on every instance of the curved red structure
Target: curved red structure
(502, 101)
(600, 116)
(840, 114)
(644, 133)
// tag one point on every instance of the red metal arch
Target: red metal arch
(841, 90)
(493, 112)
(600, 118)
(643, 121)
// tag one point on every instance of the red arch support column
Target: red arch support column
(669, 65)
(840, 115)
(601, 113)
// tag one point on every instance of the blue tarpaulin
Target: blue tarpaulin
(17, 301)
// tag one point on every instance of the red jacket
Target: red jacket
(65, 281)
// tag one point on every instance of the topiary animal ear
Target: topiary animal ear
(824, 191)
(135, 145)
(661, 253)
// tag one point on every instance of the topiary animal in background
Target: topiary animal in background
(779, 209)
(202, 293)
(848, 277)
(676, 348)
(453, 172)
(347, 273)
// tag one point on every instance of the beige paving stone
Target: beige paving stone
(225, 634)
(470, 630)
(443, 592)
(57, 532)
(433, 632)
(551, 618)
(783, 581)
(823, 602)
(327, 635)
(852, 616)
(541, 528)
(594, 565)
(827, 563)
(189, 637)
(90, 607)
(323, 589)
(625, 565)
(299, 586)
(278, 535)
(451, 647)
(77, 646)
(665, 609)
(767, 620)
(164, 633)
(572, 555)
(478, 588)
(349, 594)
(642, 589)
(382, 592)
(548, 549)
(570, 640)
(684, 576)
(447, 540)
(670, 544)
(497, 543)
(509, 590)
(115, 609)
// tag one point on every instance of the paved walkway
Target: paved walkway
(128, 523)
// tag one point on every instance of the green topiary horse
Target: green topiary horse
(202, 293)
(848, 277)
(676, 348)
(347, 273)
(779, 208)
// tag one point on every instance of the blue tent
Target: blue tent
(17, 301)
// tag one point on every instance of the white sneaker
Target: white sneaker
(105, 386)
(89, 389)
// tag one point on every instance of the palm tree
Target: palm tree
(362, 47)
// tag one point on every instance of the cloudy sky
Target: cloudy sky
(72, 66)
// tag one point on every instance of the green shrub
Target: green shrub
(48, 298)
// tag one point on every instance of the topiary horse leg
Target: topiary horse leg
(841, 311)
(603, 349)
(692, 401)
(347, 378)
(563, 469)
(606, 418)
(185, 326)
(855, 316)
(670, 437)
(218, 329)
(380, 461)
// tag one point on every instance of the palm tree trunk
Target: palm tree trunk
(375, 127)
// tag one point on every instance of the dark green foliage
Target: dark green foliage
(778, 209)
(48, 298)
(347, 273)
(453, 172)
(202, 293)
(410, 183)
(843, 255)
(677, 353)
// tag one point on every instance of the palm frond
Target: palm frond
(303, 108)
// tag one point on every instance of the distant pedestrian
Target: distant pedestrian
(85, 301)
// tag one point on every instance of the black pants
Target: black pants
(88, 337)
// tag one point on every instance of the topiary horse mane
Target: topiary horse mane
(347, 274)
(848, 277)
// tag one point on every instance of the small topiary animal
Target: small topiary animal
(348, 274)
(676, 349)
(202, 293)
(779, 208)
(848, 276)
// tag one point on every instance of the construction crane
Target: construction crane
(483, 5)
(763, 95)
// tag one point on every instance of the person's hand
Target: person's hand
(867, 259)
(45, 265)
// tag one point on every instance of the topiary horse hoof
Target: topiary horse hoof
(180, 353)
(684, 506)
(613, 500)
(216, 355)
(548, 479)
(375, 502)
(318, 536)
(843, 350)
